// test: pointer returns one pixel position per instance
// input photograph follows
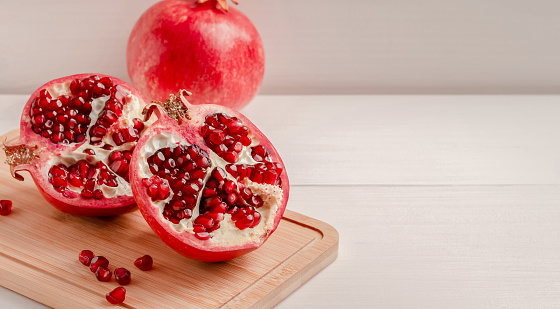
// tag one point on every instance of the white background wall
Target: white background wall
(313, 46)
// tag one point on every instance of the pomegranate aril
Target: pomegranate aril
(256, 201)
(256, 219)
(244, 222)
(219, 208)
(178, 205)
(144, 263)
(87, 194)
(98, 194)
(103, 274)
(245, 140)
(122, 275)
(38, 120)
(231, 198)
(246, 193)
(138, 124)
(5, 207)
(217, 137)
(209, 192)
(85, 257)
(44, 93)
(219, 174)
(190, 188)
(184, 214)
(98, 261)
(59, 181)
(205, 221)
(190, 200)
(116, 296)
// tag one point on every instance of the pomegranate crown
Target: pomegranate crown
(222, 3)
(175, 106)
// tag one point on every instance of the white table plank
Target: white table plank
(414, 139)
(403, 139)
(435, 247)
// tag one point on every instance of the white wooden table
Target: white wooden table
(440, 201)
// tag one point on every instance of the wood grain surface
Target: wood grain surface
(39, 246)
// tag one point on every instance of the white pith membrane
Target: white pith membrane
(228, 234)
(132, 109)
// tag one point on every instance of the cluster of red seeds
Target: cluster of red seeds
(119, 162)
(65, 119)
(225, 135)
(129, 134)
(184, 168)
(100, 266)
(113, 107)
(81, 175)
(222, 195)
(266, 171)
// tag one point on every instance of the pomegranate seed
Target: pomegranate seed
(190, 200)
(85, 257)
(256, 201)
(163, 191)
(87, 194)
(122, 275)
(246, 193)
(198, 228)
(209, 192)
(116, 296)
(256, 219)
(216, 216)
(217, 137)
(138, 124)
(89, 152)
(245, 140)
(5, 207)
(97, 131)
(190, 188)
(184, 214)
(98, 194)
(103, 274)
(219, 174)
(244, 222)
(178, 205)
(144, 263)
(98, 261)
(229, 186)
(205, 221)
(220, 208)
(231, 198)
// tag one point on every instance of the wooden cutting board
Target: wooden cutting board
(39, 248)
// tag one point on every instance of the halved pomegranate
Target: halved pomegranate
(76, 139)
(207, 181)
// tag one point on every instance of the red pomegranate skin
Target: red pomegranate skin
(45, 150)
(186, 243)
(182, 44)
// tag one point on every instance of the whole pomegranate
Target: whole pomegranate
(197, 45)
(207, 181)
(77, 134)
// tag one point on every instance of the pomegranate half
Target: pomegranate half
(199, 45)
(77, 134)
(207, 180)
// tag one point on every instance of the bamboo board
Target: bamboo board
(39, 248)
